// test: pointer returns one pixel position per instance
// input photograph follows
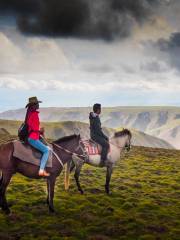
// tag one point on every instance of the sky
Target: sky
(116, 52)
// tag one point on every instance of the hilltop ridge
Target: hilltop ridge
(160, 121)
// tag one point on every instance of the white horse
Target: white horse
(119, 142)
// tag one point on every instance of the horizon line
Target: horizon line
(103, 107)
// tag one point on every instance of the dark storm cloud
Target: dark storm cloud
(173, 43)
(171, 48)
(19, 6)
(107, 19)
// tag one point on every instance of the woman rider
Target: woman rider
(32, 120)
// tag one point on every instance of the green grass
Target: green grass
(144, 203)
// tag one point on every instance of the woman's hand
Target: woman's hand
(42, 130)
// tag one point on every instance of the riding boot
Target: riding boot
(102, 162)
(104, 154)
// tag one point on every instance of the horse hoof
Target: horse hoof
(51, 210)
(6, 211)
(107, 191)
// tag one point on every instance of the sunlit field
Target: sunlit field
(144, 203)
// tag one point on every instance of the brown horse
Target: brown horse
(63, 148)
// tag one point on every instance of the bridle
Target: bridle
(116, 145)
(126, 147)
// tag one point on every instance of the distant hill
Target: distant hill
(56, 130)
(145, 140)
(138, 117)
(170, 132)
(161, 122)
(4, 131)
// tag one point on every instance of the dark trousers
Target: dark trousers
(105, 146)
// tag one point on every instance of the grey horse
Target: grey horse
(119, 142)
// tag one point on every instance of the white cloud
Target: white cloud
(13, 83)
(78, 81)
(29, 63)
(46, 54)
(10, 54)
(30, 55)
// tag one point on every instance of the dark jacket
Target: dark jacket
(95, 127)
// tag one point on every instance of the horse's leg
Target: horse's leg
(108, 177)
(67, 173)
(1, 178)
(76, 176)
(47, 201)
(6, 177)
(72, 166)
(52, 181)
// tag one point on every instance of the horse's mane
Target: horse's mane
(123, 133)
(66, 138)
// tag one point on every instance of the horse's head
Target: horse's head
(127, 135)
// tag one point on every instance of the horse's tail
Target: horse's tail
(1, 177)
(67, 175)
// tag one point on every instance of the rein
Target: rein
(53, 152)
(116, 145)
(57, 158)
(67, 151)
(79, 155)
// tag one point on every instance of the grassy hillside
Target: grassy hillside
(53, 130)
(144, 203)
(56, 130)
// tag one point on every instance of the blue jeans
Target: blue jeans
(42, 148)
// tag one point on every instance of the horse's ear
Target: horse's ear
(76, 131)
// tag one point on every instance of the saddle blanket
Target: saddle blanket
(29, 154)
(91, 147)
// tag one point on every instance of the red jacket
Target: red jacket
(33, 124)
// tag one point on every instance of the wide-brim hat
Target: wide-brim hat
(32, 101)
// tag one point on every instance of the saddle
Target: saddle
(27, 153)
(91, 147)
